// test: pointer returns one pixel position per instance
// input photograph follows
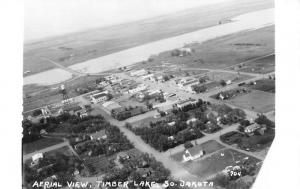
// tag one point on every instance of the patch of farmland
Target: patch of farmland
(259, 101)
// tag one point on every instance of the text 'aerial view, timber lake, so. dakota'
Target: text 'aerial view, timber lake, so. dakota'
(183, 98)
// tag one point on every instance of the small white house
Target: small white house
(137, 89)
(171, 123)
(192, 120)
(254, 127)
(192, 154)
(98, 135)
(138, 72)
(37, 157)
(228, 82)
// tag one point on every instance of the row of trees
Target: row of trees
(134, 169)
(127, 113)
(199, 88)
(60, 165)
(115, 142)
(159, 133)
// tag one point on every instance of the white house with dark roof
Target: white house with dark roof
(98, 135)
(192, 154)
(99, 97)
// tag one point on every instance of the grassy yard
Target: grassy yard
(259, 101)
(267, 85)
(209, 147)
(216, 162)
(40, 144)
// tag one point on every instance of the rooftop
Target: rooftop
(99, 95)
(98, 134)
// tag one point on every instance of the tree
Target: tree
(262, 119)
(175, 52)
(199, 88)
(166, 78)
(36, 112)
(221, 180)
(188, 144)
(223, 82)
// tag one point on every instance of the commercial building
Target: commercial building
(99, 97)
(183, 103)
(138, 72)
(137, 88)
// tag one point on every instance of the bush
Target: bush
(188, 144)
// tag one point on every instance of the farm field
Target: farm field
(216, 162)
(39, 144)
(259, 101)
(79, 47)
(261, 66)
(217, 76)
(208, 147)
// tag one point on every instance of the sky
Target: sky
(47, 18)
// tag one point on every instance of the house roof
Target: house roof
(253, 127)
(37, 156)
(99, 95)
(187, 101)
(98, 134)
(194, 150)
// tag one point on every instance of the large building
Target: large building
(183, 103)
(138, 72)
(187, 82)
(99, 97)
(137, 88)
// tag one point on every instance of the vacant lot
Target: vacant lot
(209, 147)
(263, 66)
(74, 48)
(251, 143)
(259, 101)
(39, 144)
(235, 77)
(267, 85)
(216, 162)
